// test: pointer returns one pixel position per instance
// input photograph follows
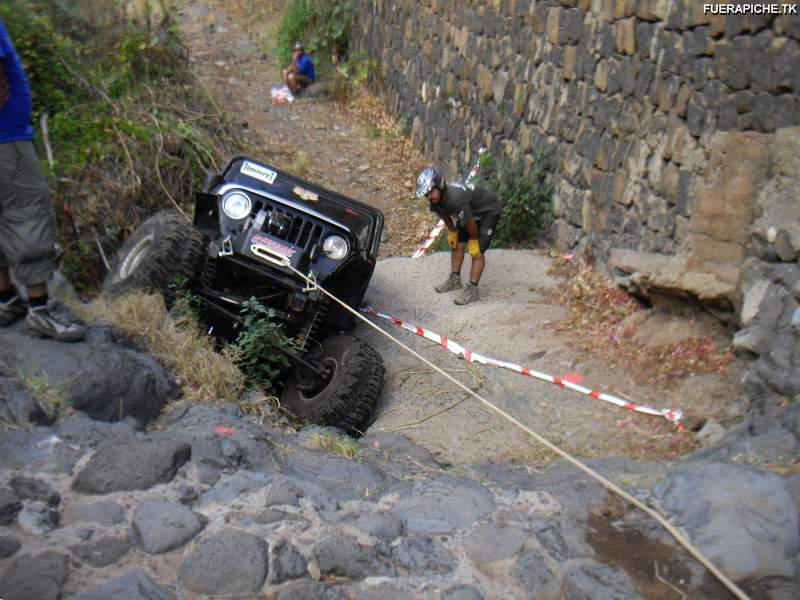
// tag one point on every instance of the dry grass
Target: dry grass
(177, 343)
(340, 445)
(300, 165)
(263, 409)
(51, 399)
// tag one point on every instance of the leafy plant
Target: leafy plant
(527, 198)
(292, 28)
(350, 76)
(324, 26)
(262, 346)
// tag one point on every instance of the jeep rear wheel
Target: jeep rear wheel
(164, 249)
(346, 399)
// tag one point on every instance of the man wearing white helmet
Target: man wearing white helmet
(471, 216)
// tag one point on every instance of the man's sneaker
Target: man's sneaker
(468, 294)
(453, 282)
(12, 310)
(42, 322)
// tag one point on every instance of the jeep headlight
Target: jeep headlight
(335, 247)
(236, 205)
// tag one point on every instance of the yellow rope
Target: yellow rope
(608, 484)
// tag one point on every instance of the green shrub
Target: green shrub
(292, 29)
(48, 57)
(261, 346)
(350, 76)
(528, 199)
(323, 26)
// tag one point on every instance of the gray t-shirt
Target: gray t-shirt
(465, 204)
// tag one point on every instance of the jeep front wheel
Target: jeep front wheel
(162, 250)
(347, 397)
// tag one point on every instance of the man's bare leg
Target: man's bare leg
(293, 85)
(477, 269)
(5, 280)
(457, 257)
(38, 290)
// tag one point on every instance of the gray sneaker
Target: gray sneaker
(453, 282)
(12, 310)
(468, 294)
(42, 322)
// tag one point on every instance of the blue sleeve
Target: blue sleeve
(5, 42)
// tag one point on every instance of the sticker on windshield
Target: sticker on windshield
(258, 172)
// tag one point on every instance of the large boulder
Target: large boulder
(443, 505)
(41, 577)
(229, 563)
(743, 519)
(165, 526)
(344, 556)
(137, 466)
(98, 376)
(105, 513)
(29, 488)
(103, 552)
(135, 584)
(18, 406)
(10, 505)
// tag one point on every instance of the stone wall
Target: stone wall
(672, 130)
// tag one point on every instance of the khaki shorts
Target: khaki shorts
(302, 80)
(27, 218)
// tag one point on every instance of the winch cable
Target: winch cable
(606, 483)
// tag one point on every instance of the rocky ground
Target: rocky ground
(205, 503)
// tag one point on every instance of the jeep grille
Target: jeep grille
(301, 230)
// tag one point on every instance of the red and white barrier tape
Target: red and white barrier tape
(439, 227)
(428, 241)
(672, 415)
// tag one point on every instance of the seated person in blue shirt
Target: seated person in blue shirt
(300, 73)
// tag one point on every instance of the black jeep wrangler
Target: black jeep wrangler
(249, 221)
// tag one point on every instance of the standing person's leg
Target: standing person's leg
(476, 270)
(11, 305)
(486, 230)
(457, 258)
(29, 228)
(453, 281)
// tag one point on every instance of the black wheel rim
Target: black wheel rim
(313, 386)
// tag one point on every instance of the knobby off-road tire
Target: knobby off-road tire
(348, 399)
(163, 250)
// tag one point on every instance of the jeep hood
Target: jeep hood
(364, 222)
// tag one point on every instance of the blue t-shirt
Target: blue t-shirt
(15, 115)
(306, 67)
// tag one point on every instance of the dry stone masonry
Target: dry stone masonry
(674, 134)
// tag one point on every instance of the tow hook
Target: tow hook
(226, 248)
